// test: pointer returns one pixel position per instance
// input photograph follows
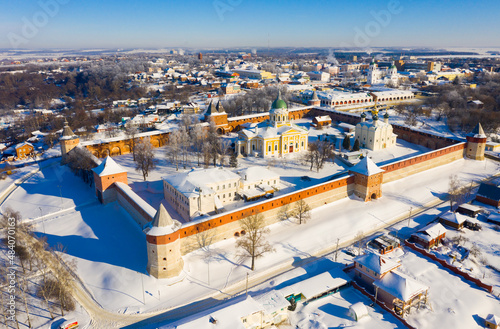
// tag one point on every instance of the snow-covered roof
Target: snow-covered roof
(470, 207)
(257, 174)
(163, 224)
(23, 144)
(478, 132)
(432, 231)
(108, 167)
(227, 317)
(400, 286)
(272, 301)
(189, 183)
(358, 310)
(366, 167)
(317, 284)
(453, 217)
(323, 118)
(493, 319)
(377, 263)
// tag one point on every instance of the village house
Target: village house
(24, 150)
(430, 236)
(453, 219)
(322, 121)
(489, 194)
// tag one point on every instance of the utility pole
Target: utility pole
(337, 249)
(409, 216)
(246, 289)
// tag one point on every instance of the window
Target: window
(223, 186)
(276, 147)
(217, 187)
(269, 148)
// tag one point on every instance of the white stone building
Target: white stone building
(375, 135)
(377, 76)
(207, 191)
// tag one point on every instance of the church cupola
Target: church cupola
(278, 115)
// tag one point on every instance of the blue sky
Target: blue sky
(234, 23)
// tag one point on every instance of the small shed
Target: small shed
(453, 219)
(492, 321)
(469, 210)
(357, 311)
(318, 286)
(385, 243)
(322, 121)
(494, 218)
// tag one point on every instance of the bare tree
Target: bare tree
(145, 158)
(302, 211)
(359, 241)
(131, 133)
(318, 153)
(174, 148)
(253, 243)
(284, 213)
(197, 138)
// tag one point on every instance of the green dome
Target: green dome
(386, 115)
(279, 103)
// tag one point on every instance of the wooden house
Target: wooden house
(489, 194)
(371, 267)
(24, 150)
(400, 292)
(492, 322)
(429, 236)
(322, 121)
(453, 219)
(469, 210)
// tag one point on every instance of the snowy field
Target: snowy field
(454, 302)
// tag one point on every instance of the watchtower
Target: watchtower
(164, 246)
(368, 179)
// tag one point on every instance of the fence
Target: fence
(452, 268)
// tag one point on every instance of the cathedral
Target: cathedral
(375, 135)
(376, 76)
(275, 137)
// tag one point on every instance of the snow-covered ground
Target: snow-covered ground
(110, 249)
(454, 302)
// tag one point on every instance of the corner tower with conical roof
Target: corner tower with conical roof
(278, 115)
(164, 246)
(314, 101)
(476, 143)
(68, 141)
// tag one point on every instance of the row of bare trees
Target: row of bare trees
(37, 274)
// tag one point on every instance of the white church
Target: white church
(375, 135)
(382, 77)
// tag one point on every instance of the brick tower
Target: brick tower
(164, 246)
(314, 101)
(476, 143)
(367, 180)
(105, 175)
(68, 141)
